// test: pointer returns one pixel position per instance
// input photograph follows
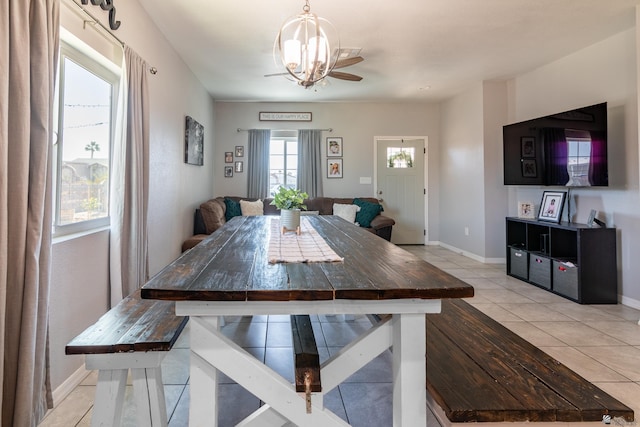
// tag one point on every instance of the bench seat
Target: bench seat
(134, 335)
(480, 371)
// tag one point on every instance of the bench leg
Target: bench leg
(148, 392)
(409, 370)
(203, 379)
(107, 407)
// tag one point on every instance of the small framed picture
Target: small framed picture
(529, 169)
(528, 146)
(526, 210)
(334, 168)
(228, 156)
(228, 171)
(239, 167)
(239, 150)
(334, 147)
(551, 206)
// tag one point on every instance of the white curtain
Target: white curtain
(310, 161)
(29, 39)
(129, 262)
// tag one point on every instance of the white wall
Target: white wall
(79, 285)
(607, 72)
(356, 123)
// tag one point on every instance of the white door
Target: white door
(401, 186)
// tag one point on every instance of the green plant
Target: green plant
(289, 198)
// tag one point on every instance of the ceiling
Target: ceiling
(414, 50)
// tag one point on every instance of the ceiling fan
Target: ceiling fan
(346, 58)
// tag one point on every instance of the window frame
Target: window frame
(106, 70)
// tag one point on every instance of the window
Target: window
(283, 160)
(87, 93)
(399, 157)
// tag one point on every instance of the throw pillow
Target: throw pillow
(347, 212)
(213, 215)
(368, 211)
(251, 208)
(233, 208)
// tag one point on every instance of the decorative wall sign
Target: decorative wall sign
(284, 117)
(193, 142)
(106, 5)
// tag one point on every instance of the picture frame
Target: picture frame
(239, 167)
(551, 206)
(228, 171)
(529, 168)
(334, 168)
(228, 156)
(193, 142)
(239, 150)
(334, 147)
(528, 146)
(526, 210)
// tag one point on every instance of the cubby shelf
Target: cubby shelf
(572, 260)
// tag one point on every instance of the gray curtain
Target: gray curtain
(258, 163)
(29, 39)
(129, 260)
(310, 161)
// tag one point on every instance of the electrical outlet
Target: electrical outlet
(466, 231)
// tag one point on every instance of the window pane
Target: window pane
(283, 164)
(83, 186)
(398, 157)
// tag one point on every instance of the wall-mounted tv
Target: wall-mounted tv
(564, 149)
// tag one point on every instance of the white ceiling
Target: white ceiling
(414, 50)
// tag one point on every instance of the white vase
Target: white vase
(290, 219)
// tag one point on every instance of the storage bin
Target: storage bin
(519, 263)
(565, 279)
(540, 270)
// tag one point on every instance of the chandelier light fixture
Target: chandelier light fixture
(307, 46)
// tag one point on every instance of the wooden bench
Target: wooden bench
(480, 371)
(134, 335)
(306, 357)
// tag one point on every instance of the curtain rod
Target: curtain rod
(94, 21)
(247, 130)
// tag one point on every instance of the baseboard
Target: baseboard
(474, 256)
(62, 391)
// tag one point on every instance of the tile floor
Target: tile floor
(601, 343)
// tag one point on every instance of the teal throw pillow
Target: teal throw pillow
(233, 208)
(367, 212)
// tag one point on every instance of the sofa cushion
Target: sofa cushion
(347, 212)
(367, 212)
(251, 208)
(233, 208)
(213, 214)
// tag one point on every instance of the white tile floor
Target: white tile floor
(599, 342)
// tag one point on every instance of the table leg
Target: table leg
(409, 370)
(203, 380)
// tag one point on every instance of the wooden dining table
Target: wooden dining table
(233, 273)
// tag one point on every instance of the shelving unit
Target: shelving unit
(572, 260)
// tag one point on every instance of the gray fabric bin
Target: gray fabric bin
(519, 263)
(540, 270)
(565, 279)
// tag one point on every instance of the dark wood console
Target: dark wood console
(572, 260)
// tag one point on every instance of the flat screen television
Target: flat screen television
(565, 149)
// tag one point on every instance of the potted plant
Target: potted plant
(289, 201)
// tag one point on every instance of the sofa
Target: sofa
(213, 213)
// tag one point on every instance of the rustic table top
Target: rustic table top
(232, 265)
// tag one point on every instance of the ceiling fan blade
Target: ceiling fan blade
(276, 74)
(345, 76)
(341, 63)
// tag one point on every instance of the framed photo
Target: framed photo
(239, 150)
(334, 147)
(228, 171)
(528, 146)
(529, 169)
(228, 156)
(239, 167)
(193, 142)
(526, 210)
(334, 168)
(551, 206)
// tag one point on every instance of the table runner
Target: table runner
(309, 246)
